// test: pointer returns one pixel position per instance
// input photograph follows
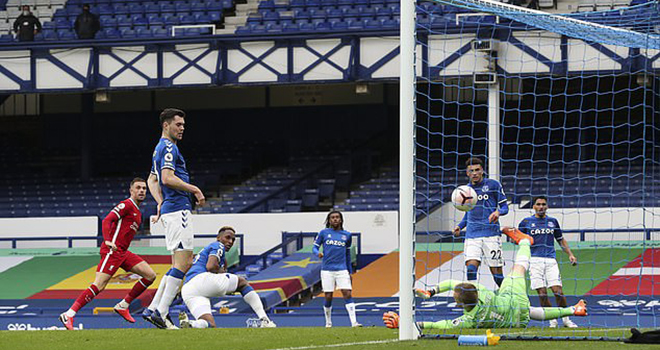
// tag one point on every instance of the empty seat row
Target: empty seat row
(320, 26)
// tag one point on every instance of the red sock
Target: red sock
(85, 297)
(139, 287)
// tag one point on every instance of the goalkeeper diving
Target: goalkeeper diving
(482, 308)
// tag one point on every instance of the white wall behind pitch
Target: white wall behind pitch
(49, 227)
(264, 231)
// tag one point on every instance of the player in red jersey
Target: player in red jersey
(119, 228)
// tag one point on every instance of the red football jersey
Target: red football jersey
(121, 224)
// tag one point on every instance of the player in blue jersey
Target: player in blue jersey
(169, 184)
(208, 278)
(482, 227)
(544, 271)
(336, 267)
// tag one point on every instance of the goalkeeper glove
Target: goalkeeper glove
(391, 319)
(424, 294)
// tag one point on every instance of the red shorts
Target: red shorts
(112, 261)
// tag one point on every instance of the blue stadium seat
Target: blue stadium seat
(187, 19)
(339, 25)
(50, 36)
(215, 16)
(128, 33)
(243, 30)
(203, 18)
(143, 33)
(66, 35)
(290, 27)
(293, 206)
(166, 8)
(182, 7)
(198, 6)
(306, 26)
(152, 8)
(171, 20)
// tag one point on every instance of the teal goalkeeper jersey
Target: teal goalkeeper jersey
(503, 309)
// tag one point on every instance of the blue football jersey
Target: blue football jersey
(199, 263)
(544, 231)
(167, 156)
(490, 197)
(336, 249)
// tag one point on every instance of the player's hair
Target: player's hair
(137, 179)
(169, 113)
(474, 161)
(467, 295)
(539, 197)
(341, 216)
(222, 230)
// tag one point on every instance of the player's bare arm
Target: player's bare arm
(157, 193)
(567, 250)
(494, 216)
(457, 231)
(172, 181)
(213, 264)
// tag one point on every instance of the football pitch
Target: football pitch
(286, 338)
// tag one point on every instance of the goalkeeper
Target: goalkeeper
(482, 308)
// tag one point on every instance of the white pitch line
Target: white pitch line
(339, 345)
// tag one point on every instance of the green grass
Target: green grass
(280, 338)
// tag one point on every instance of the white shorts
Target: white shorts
(178, 230)
(197, 292)
(489, 248)
(543, 273)
(340, 279)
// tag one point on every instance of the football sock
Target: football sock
(139, 287)
(327, 311)
(471, 273)
(524, 253)
(350, 307)
(174, 282)
(565, 319)
(159, 293)
(327, 303)
(549, 313)
(199, 324)
(252, 298)
(85, 297)
(498, 277)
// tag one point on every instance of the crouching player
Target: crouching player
(208, 278)
(482, 308)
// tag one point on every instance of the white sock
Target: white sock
(328, 314)
(565, 319)
(351, 312)
(169, 293)
(70, 313)
(199, 323)
(252, 298)
(536, 313)
(159, 293)
(122, 305)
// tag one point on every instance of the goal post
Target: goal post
(407, 206)
(562, 106)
